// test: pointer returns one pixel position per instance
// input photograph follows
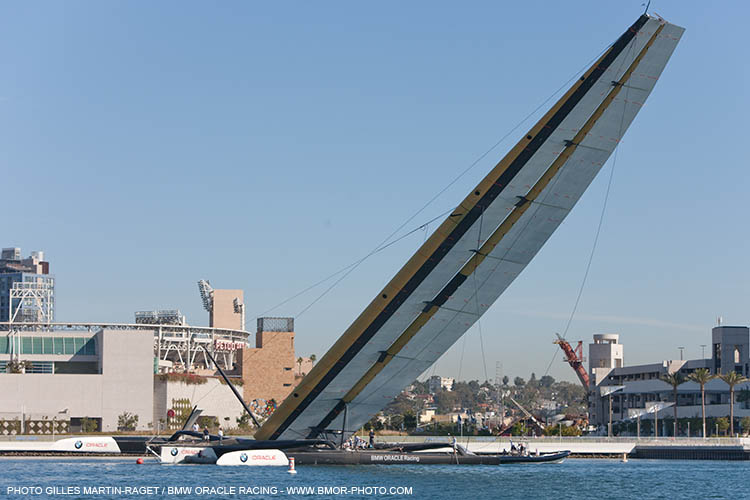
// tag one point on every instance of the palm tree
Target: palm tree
(731, 379)
(313, 358)
(299, 363)
(674, 379)
(701, 376)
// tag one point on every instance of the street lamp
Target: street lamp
(703, 351)
(636, 412)
(608, 391)
(656, 407)
(681, 351)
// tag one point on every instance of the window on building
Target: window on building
(59, 345)
(40, 367)
(26, 345)
(77, 367)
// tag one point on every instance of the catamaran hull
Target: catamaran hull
(380, 458)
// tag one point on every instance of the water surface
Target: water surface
(573, 479)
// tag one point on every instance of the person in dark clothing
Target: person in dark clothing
(205, 434)
(372, 438)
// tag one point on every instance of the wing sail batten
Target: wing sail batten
(415, 297)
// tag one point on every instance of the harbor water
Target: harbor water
(573, 479)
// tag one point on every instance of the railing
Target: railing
(666, 441)
(275, 325)
(18, 326)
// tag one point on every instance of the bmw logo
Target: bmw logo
(243, 458)
(174, 452)
(78, 445)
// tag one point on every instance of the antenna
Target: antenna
(207, 295)
(719, 320)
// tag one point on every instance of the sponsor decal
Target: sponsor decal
(394, 458)
(174, 452)
(90, 444)
(228, 345)
(78, 445)
(243, 458)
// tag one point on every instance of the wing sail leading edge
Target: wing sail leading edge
(499, 226)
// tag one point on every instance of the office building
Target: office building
(27, 290)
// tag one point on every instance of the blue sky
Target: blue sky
(264, 146)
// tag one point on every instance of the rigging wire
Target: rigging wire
(378, 249)
(476, 297)
(385, 243)
(599, 226)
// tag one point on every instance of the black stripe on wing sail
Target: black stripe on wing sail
(464, 225)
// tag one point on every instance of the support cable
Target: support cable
(387, 241)
(598, 228)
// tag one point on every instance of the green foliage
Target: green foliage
(236, 381)
(19, 366)
(701, 376)
(554, 430)
(519, 429)
(410, 421)
(546, 381)
(519, 382)
(745, 424)
(127, 422)
(244, 422)
(185, 378)
(723, 424)
(89, 425)
(208, 421)
(505, 380)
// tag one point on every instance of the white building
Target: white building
(69, 376)
(637, 388)
(436, 383)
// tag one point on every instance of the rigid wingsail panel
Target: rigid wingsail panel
(482, 246)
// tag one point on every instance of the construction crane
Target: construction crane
(574, 357)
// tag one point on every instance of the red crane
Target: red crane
(574, 357)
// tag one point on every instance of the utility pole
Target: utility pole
(681, 351)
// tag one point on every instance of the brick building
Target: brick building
(268, 368)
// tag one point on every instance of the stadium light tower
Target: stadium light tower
(239, 308)
(207, 295)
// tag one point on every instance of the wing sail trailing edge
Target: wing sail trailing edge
(482, 246)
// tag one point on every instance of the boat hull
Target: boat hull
(330, 457)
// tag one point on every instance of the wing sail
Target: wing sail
(482, 246)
